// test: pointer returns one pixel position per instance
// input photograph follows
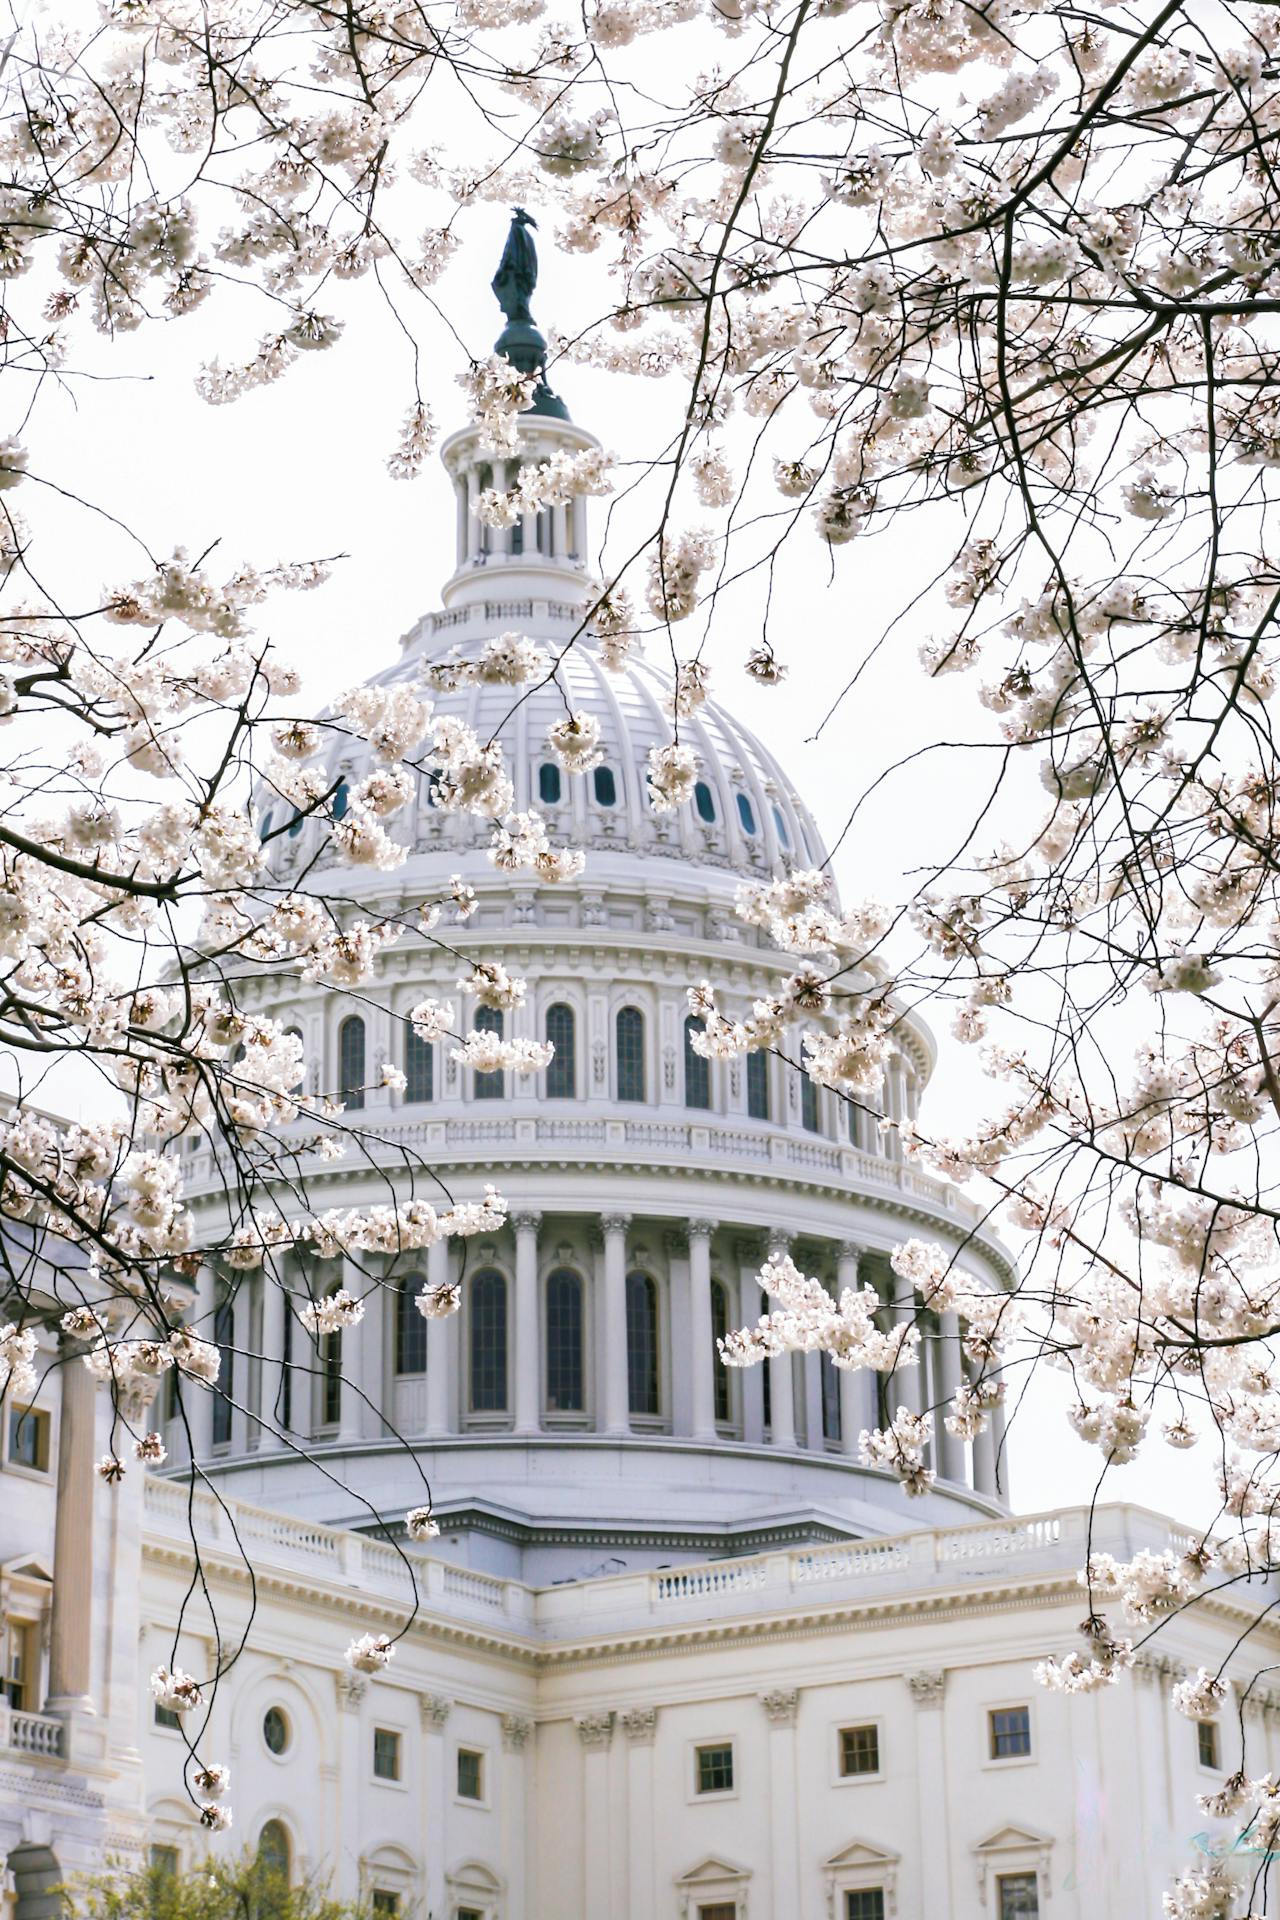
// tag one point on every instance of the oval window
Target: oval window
(745, 814)
(784, 838)
(549, 784)
(341, 800)
(295, 825)
(606, 787)
(265, 828)
(275, 1730)
(704, 801)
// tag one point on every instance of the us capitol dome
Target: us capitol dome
(573, 1418)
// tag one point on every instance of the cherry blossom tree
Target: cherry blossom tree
(1006, 270)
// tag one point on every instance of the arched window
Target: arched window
(564, 1342)
(758, 1085)
(274, 1852)
(265, 828)
(809, 1105)
(429, 786)
(488, 1304)
(295, 1033)
(562, 1073)
(489, 1086)
(295, 825)
(719, 1331)
(642, 1344)
(784, 838)
(704, 801)
(341, 799)
(224, 1338)
(766, 1372)
(606, 787)
(286, 1370)
(351, 1060)
(629, 1029)
(419, 1067)
(746, 814)
(550, 785)
(697, 1070)
(830, 1398)
(411, 1328)
(331, 1375)
(851, 1109)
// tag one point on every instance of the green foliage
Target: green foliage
(242, 1888)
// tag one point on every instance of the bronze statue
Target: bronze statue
(517, 274)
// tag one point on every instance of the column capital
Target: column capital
(615, 1222)
(594, 1729)
(848, 1250)
(639, 1724)
(351, 1691)
(516, 1730)
(434, 1709)
(747, 1249)
(526, 1220)
(675, 1243)
(781, 1704)
(778, 1245)
(702, 1229)
(927, 1689)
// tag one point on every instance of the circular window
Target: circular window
(275, 1730)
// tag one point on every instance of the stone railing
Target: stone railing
(36, 1734)
(656, 1140)
(1043, 1546)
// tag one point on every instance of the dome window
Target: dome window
(295, 825)
(606, 787)
(745, 814)
(549, 786)
(704, 801)
(642, 1344)
(564, 1342)
(411, 1328)
(784, 838)
(265, 828)
(719, 1332)
(489, 1086)
(341, 799)
(697, 1068)
(351, 1060)
(562, 1073)
(488, 1369)
(629, 1030)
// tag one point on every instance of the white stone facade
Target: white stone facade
(677, 1655)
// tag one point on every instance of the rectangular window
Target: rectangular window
(470, 1774)
(758, 1086)
(489, 1086)
(864, 1903)
(714, 1769)
(164, 1860)
(859, 1751)
(21, 1653)
(719, 1910)
(385, 1903)
(166, 1717)
(468, 1913)
(419, 1069)
(1019, 1897)
(1010, 1732)
(809, 1105)
(386, 1754)
(29, 1439)
(1207, 1743)
(831, 1427)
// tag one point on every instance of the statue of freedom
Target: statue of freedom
(517, 274)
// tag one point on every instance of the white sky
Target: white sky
(298, 470)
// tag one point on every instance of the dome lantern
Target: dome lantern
(544, 554)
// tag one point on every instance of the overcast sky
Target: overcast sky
(298, 470)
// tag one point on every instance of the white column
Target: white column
(677, 1250)
(999, 1455)
(275, 1311)
(71, 1623)
(948, 1451)
(613, 1325)
(781, 1704)
(782, 1374)
(927, 1691)
(905, 1383)
(197, 1400)
(528, 1395)
(516, 1734)
(353, 1764)
(984, 1455)
(895, 1088)
(751, 1379)
(442, 1348)
(595, 1730)
(434, 1709)
(857, 1390)
(811, 1378)
(701, 1347)
(639, 1724)
(351, 1406)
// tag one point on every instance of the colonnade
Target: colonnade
(703, 1272)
